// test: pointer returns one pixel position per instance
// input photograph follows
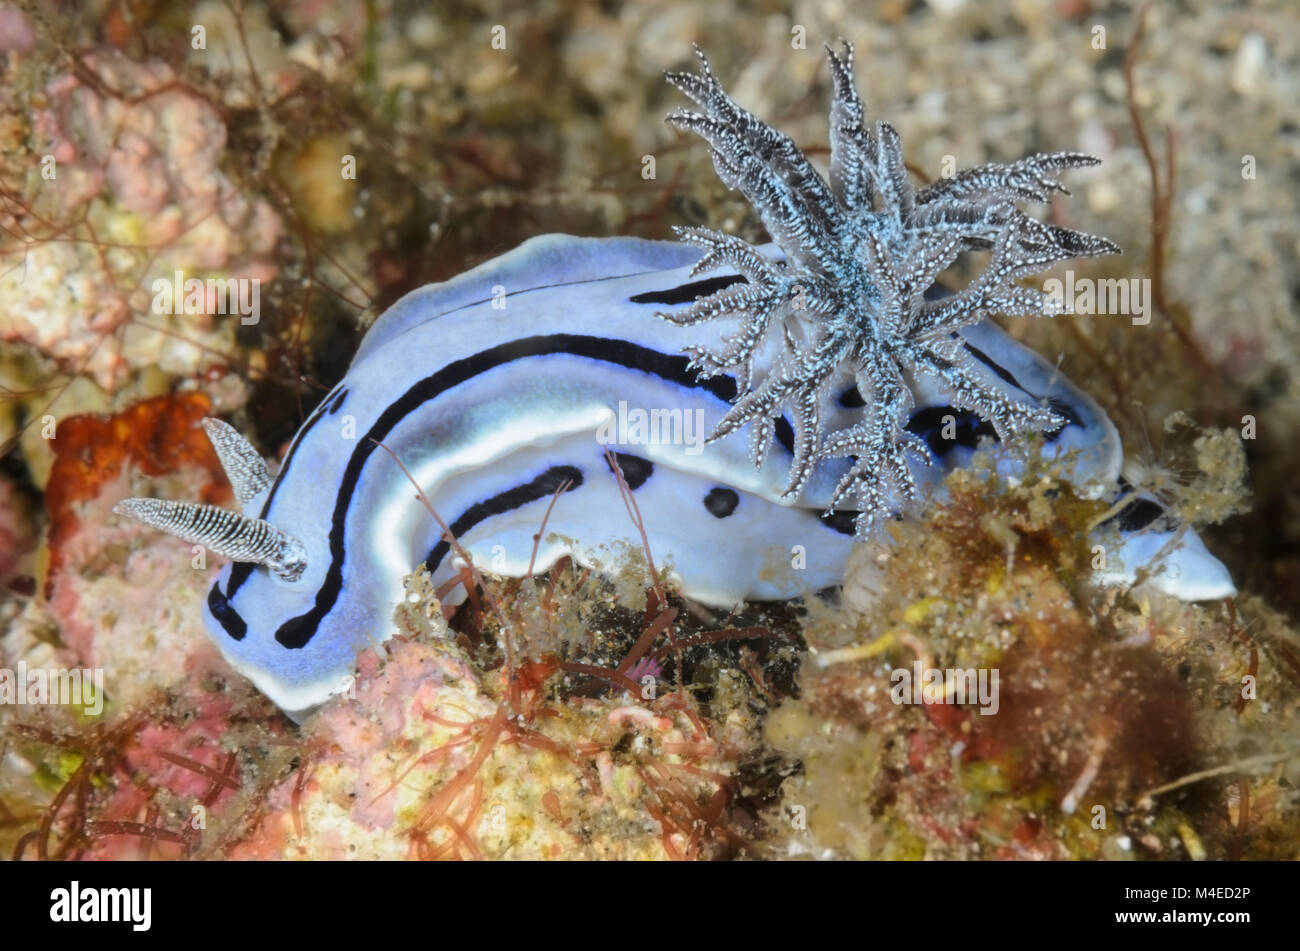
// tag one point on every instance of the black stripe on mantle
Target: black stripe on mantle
(298, 631)
(544, 486)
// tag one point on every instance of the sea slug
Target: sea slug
(858, 378)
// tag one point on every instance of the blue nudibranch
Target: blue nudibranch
(494, 388)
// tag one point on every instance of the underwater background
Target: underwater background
(336, 154)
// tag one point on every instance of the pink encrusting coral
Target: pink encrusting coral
(423, 760)
(181, 773)
(126, 188)
(123, 599)
(368, 753)
(15, 34)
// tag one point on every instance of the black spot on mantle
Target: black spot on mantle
(635, 469)
(842, 522)
(721, 502)
(968, 428)
(1139, 514)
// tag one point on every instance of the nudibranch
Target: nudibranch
(859, 380)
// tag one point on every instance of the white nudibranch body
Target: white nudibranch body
(504, 385)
